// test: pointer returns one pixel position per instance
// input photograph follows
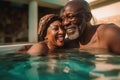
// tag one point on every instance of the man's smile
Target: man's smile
(71, 29)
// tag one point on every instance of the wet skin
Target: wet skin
(54, 39)
(104, 36)
(83, 35)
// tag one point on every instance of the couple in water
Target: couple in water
(75, 22)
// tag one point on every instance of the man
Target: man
(76, 20)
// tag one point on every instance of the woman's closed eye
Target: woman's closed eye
(55, 28)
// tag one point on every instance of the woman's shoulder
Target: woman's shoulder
(38, 48)
(39, 44)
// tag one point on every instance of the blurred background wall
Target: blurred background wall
(106, 11)
(14, 16)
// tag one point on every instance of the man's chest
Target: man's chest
(95, 42)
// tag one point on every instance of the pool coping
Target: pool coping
(12, 48)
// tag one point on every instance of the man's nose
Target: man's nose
(66, 22)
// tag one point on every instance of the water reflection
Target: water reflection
(61, 65)
(70, 68)
(107, 67)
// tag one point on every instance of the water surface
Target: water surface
(63, 65)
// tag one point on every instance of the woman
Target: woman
(51, 32)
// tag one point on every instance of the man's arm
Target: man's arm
(115, 45)
(113, 38)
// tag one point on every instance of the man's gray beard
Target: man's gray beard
(75, 35)
(79, 31)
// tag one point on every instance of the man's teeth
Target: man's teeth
(70, 30)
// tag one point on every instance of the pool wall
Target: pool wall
(11, 48)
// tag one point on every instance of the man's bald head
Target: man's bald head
(78, 5)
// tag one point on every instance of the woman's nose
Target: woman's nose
(61, 31)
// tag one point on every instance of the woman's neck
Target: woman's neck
(51, 46)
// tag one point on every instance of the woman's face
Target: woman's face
(55, 34)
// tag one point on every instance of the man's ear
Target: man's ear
(88, 17)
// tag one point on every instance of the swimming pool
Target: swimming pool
(63, 65)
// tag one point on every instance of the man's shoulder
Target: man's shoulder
(108, 26)
(111, 27)
(108, 30)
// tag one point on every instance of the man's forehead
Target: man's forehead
(72, 10)
(75, 6)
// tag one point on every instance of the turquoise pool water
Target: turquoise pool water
(66, 65)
